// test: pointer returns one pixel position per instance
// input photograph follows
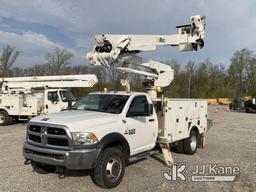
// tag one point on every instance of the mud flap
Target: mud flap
(201, 140)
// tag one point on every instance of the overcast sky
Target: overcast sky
(35, 27)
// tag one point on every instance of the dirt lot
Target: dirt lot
(231, 141)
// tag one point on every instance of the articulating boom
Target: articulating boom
(121, 50)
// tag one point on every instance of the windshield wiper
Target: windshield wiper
(87, 109)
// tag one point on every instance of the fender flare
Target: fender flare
(112, 139)
(3, 109)
(194, 128)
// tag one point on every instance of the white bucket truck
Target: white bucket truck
(105, 130)
(25, 97)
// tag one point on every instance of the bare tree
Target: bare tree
(242, 71)
(17, 72)
(58, 59)
(7, 59)
(250, 71)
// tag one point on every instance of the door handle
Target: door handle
(150, 120)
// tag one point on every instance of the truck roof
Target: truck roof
(118, 92)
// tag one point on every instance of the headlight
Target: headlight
(84, 138)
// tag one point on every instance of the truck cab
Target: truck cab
(56, 100)
(122, 123)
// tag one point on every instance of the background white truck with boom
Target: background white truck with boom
(105, 130)
(24, 97)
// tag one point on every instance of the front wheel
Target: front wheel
(110, 168)
(4, 118)
(190, 144)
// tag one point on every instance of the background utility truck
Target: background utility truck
(24, 97)
(250, 105)
(105, 130)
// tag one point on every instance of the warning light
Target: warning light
(159, 89)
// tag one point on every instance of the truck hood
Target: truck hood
(77, 120)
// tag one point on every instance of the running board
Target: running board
(165, 150)
(143, 155)
(23, 118)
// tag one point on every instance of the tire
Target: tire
(42, 169)
(4, 118)
(190, 144)
(110, 168)
(179, 147)
(11, 120)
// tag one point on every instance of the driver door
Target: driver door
(141, 126)
(52, 102)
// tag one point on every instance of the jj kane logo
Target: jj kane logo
(176, 173)
(202, 173)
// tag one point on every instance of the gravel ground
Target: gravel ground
(230, 142)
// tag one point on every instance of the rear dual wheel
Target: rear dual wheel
(4, 118)
(189, 145)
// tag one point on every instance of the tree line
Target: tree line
(191, 80)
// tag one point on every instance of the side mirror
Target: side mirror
(69, 104)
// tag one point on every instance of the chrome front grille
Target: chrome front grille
(48, 136)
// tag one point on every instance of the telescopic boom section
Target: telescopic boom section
(121, 50)
(62, 81)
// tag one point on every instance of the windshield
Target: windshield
(102, 103)
(67, 96)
